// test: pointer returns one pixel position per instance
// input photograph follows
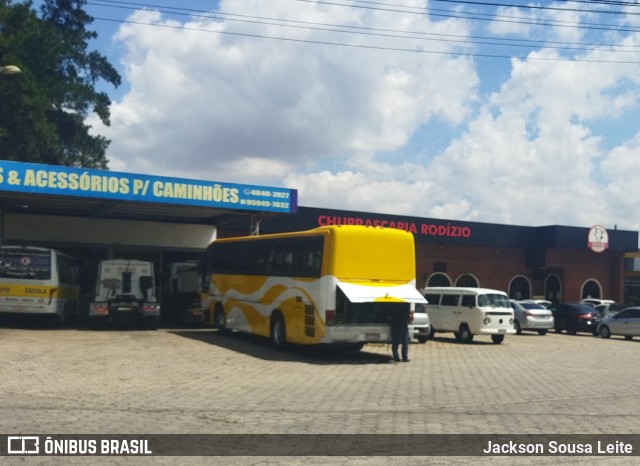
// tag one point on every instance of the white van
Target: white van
(469, 311)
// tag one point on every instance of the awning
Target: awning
(386, 293)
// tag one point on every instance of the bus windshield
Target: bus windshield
(25, 263)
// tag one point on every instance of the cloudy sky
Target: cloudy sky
(506, 112)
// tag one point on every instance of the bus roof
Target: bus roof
(326, 230)
(24, 247)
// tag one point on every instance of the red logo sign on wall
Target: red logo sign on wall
(597, 239)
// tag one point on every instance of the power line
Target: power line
(480, 16)
(370, 47)
(551, 8)
(421, 11)
(391, 33)
(388, 33)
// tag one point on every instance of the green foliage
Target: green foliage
(44, 109)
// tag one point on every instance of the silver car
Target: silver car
(542, 302)
(528, 315)
(610, 308)
(625, 322)
(420, 327)
(593, 302)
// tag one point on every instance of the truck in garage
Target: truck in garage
(125, 295)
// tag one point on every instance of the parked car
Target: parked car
(596, 301)
(610, 308)
(420, 326)
(575, 317)
(469, 311)
(542, 302)
(625, 322)
(531, 316)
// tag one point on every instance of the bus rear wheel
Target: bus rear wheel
(497, 339)
(278, 331)
(220, 322)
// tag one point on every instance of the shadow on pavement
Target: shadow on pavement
(260, 347)
(35, 322)
(75, 322)
(476, 341)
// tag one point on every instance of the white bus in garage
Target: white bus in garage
(36, 280)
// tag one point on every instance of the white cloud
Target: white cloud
(623, 190)
(209, 99)
(341, 124)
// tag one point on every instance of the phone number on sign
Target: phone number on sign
(256, 203)
(265, 193)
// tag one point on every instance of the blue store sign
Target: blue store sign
(82, 182)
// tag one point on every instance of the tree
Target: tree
(43, 110)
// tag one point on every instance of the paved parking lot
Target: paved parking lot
(198, 382)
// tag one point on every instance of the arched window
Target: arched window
(438, 279)
(467, 280)
(553, 288)
(520, 288)
(591, 289)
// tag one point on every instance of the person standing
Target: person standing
(400, 333)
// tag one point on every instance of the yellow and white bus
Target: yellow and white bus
(36, 280)
(330, 285)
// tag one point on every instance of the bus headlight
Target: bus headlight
(487, 320)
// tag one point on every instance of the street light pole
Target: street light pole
(9, 70)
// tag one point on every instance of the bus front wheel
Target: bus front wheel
(278, 331)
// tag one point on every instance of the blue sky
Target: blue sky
(507, 112)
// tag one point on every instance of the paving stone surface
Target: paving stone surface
(195, 381)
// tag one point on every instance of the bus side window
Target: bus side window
(468, 301)
(432, 298)
(309, 256)
(450, 299)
